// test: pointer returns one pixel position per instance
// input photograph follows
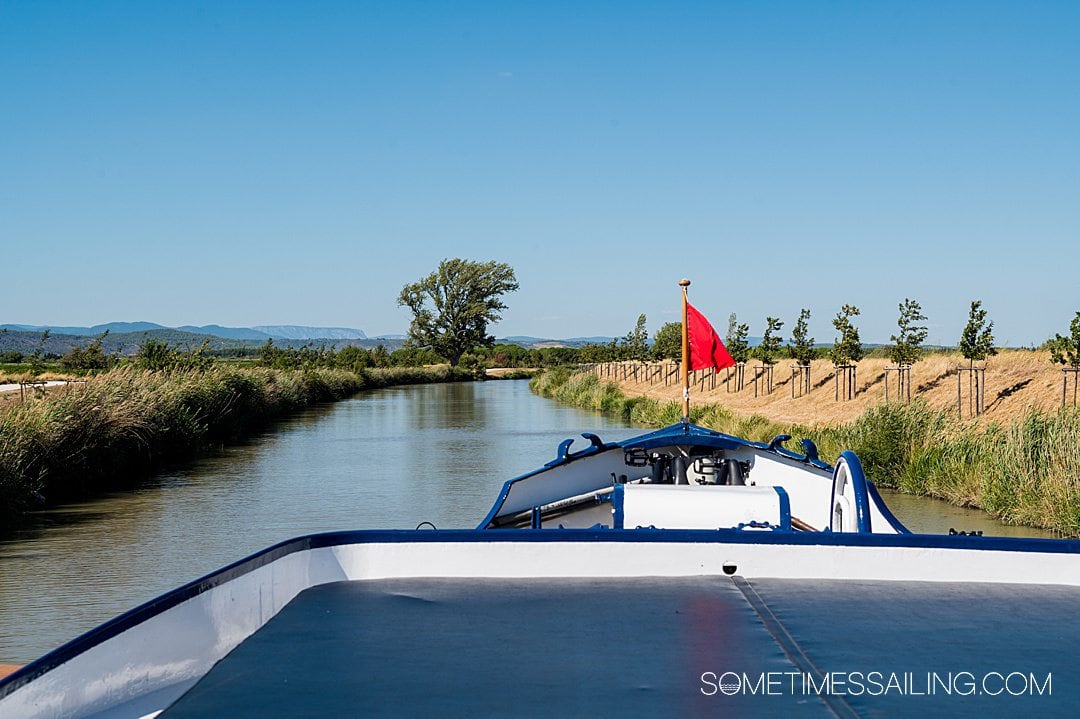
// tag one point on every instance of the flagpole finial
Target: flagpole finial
(684, 282)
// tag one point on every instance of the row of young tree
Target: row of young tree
(976, 342)
(453, 306)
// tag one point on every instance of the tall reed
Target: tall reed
(120, 425)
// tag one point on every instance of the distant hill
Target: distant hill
(232, 333)
(599, 340)
(123, 343)
(300, 332)
(128, 343)
(540, 342)
(112, 327)
(259, 334)
(283, 335)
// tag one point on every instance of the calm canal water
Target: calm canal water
(386, 459)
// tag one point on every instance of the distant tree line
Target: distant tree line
(358, 358)
(453, 306)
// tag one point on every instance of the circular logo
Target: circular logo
(729, 683)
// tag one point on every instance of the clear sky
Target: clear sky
(247, 163)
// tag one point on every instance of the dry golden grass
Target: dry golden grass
(1016, 381)
(1019, 462)
(503, 371)
(7, 377)
(16, 395)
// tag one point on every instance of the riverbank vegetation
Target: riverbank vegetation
(120, 425)
(85, 361)
(1025, 471)
(1013, 382)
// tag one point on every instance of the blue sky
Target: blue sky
(271, 163)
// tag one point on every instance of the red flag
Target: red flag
(706, 349)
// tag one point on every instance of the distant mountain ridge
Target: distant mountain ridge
(531, 342)
(126, 337)
(259, 334)
(229, 333)
(128, 343)
(300, 332)
(114, 327)
(286, 333)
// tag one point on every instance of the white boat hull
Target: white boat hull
(143, 661)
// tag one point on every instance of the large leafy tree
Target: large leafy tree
(453, 306)
(907, 343)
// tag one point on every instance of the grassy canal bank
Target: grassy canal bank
(120, 425)
(1023, 471)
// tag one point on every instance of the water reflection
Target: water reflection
(929, 516)
(386, 459)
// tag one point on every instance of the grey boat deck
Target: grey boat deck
(639, 647)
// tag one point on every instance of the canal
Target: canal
(388, 458)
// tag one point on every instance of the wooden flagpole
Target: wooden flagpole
(684, 283)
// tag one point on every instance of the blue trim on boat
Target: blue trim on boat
(561, 453)
(595, 440)
(875, 497)
(777, 442)
(810, 455)
(596, 446)
(858, 484)
(564, 455)
(501, 499)
(618, 499)
(860, 496)
(785, 509)
(167, 601)
(676, 434)
(142, 613)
